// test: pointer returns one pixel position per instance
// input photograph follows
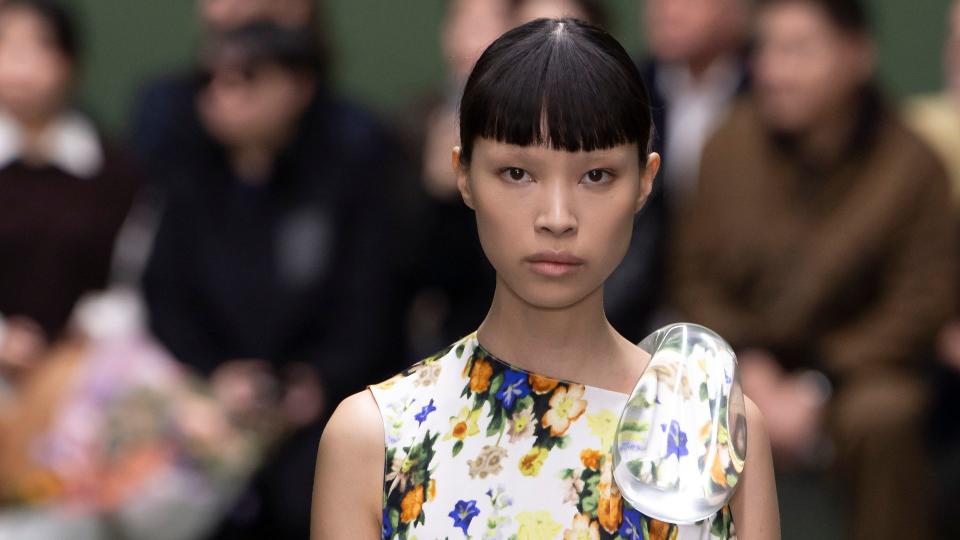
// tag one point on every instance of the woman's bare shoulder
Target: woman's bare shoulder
(349, 475)
(756, 513)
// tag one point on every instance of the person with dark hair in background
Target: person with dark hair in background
(65, 192)
(164, 116)
(820, 244)
(271, 266)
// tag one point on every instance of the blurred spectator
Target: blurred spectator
(272, 253)
(165, 116)
(697, 66)
(65, 192)
(446, 276)
(820, 245)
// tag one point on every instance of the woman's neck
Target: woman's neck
(575, 343)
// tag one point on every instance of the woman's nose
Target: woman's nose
(556, 215)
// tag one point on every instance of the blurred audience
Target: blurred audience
(697, 66)
(65, 190)
(820, 244)
(446, 278)
(586, 10)
(165, 117)
(272, 257)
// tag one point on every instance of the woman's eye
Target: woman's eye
(515, 174)
(597, 176)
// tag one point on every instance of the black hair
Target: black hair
(847, 15)
(266, 43)
(592, 9)
(560, 82)
(59, 20)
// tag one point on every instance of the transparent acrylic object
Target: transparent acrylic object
(681, 441)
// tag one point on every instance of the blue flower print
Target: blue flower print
(387, 528)
(676, 440)
(463, 513)
(630, 527)
(421, 416)
(514, 387)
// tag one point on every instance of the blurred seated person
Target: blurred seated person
(65, 192)
(820, 245)
(697, 66)
(272, 252)
(164, 115)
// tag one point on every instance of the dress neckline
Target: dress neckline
(489, 355)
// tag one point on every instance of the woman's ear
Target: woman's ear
(460, 170)
(647, 177)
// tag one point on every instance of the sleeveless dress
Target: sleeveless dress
(477, 448)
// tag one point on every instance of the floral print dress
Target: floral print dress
(477, 448)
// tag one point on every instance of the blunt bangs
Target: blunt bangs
(561, 83)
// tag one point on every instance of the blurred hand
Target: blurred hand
(246, 388)
(791, 403)
(948, 344)
(21, 346)
(303, 400)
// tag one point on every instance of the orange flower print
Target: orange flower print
(609, 506)
(583, 529)
(411, 504)
(717, 473)
(591, 459)
(542, 385)
(658, 530)
(531, 462)
(566, 406)
(432, 490)
(610, 510)
(480, 376)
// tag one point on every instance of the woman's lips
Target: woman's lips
(554, 264)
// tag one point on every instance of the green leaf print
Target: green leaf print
(496, 423)
(457, 447)
(704, 392)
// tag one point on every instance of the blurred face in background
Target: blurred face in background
(470, 26)
(550, 9)
(35, 74)
(693, 31)
(807, 68)
(245, 106)
(222, 15)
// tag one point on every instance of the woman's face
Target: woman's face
(554, 224)
(34, 73)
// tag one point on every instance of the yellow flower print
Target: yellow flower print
(537, 526)
(480, 376)
(583, 529)
(603, 425)
(566, 406)
(411, 504)
(463, 425)
(432, 490)
(542, 385)
(531, 462)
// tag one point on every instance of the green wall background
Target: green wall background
(387, 50)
